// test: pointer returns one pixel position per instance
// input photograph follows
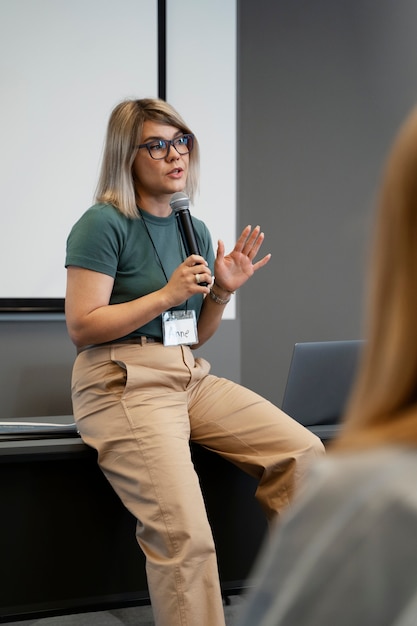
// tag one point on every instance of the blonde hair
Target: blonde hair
(383, 405)
(115, 185)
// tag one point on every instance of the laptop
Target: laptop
(57, 427)
(319, 382)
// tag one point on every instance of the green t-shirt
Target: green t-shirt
(139, 256)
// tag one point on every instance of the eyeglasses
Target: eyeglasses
(159, 148)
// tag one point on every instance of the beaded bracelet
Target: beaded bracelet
(218, 300)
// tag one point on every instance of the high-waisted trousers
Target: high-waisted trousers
(139, 406)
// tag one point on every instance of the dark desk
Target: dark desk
(67, 544)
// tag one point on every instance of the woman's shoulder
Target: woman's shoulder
(351, 532)
(354, 476)
(102, 217)
(347, 494)
(347, 466)
(105, 212)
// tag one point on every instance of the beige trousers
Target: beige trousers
(139, 406)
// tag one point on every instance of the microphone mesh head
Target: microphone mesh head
(179, 200)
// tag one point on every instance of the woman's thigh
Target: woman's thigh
(256, 436)
(232, 419)
(138, 422)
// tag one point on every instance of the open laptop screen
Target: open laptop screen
(319, 380)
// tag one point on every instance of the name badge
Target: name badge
(179, 328)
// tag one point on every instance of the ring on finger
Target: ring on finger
(197, 279)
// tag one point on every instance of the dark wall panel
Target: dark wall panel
(322, 87)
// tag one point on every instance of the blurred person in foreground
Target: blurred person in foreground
(346, 553)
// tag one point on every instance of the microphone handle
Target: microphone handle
(187, 233)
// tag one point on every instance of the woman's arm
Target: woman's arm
(91, 319)
(211, 315)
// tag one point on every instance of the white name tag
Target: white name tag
(179, 328)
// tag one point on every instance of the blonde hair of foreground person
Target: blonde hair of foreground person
(383, 405)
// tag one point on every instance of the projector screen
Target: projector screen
(65, 65)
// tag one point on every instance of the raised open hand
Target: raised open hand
(233, 270)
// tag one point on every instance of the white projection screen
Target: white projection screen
(64, 65)
(201, 84)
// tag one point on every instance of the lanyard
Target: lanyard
(156, 251)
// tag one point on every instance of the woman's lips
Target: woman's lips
(176, 172)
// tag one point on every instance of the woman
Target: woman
(347, 553)
(139, 395)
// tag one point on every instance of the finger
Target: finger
(195, 259)
(254, 235)
(201, 275)
(200, 267)
(240, 243)
(254, 243)
(262, 262)
(220, 250)
(254, 239)
(202, 271)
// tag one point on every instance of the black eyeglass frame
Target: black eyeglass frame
(169, 143)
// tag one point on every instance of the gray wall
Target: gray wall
(322, 86)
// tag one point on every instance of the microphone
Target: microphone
(179, 204)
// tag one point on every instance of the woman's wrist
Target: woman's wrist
(222, 292)
(219, 294)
